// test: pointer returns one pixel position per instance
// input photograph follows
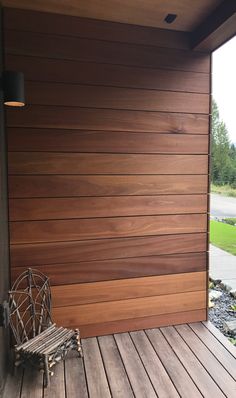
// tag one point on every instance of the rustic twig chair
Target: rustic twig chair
(38, 340)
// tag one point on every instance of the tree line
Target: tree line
(223, 152)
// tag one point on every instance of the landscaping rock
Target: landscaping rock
(214, 294)
(222, 310)
(211, 285)
(225, 285)
(211, 304)
(230, 283)
(233, 293)
(230, 327)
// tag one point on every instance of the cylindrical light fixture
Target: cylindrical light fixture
(13, 88)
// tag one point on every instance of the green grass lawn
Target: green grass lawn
(225, 190)
(223, 236)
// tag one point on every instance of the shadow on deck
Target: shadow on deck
(190, 361)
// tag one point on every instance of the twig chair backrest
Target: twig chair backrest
(29, 305)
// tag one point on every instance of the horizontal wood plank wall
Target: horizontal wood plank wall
(108, 169)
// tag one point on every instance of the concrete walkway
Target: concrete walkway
(223, 267)
(222, 206)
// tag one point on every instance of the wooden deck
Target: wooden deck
(191, 361)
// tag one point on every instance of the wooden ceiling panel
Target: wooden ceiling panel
(190, 13)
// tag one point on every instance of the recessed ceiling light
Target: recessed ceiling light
(170, 18)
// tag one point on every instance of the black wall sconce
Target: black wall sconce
(13, 88)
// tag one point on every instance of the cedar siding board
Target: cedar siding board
(108, 170)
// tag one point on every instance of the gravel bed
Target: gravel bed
(221, 311)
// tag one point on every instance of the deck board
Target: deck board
(220, 337)
(96, 375)
(193, 360)
(13, 384)
(32, 385)
(157, 373)
(197, 372)
(216, 348)
(178, 374)
(116, 373)
(56, 387)
(75, 378)
(137, 374)
(209, 361)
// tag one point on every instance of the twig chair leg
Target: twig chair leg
(79, 347)
(46, 371)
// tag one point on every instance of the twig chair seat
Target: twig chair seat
(38, 341)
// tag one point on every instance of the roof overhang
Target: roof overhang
(208, 23)
(217, 28)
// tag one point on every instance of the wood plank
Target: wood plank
(94, 271)
(142, 323)
(102, 249)
(65, 71)
(115, 371)
(13, 384)
(198, 373)
(76, 163)
(78, 294)
(224, 33)
(156, 371)
(138, 377)
(134, 95)
(73, 186)
(85, 314)
(68, 230)
(62, 208)
(64, 296)
(150, 14)
(52, 117)
(32, 385)
(95, 373)
(56, 387)
(49, 23)
(179, 376)
(221, 338)
(61, 94)
(75, 379)
(220, 18)
(217, 349)
(209, 361)
(75, 48)
(50, 140)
